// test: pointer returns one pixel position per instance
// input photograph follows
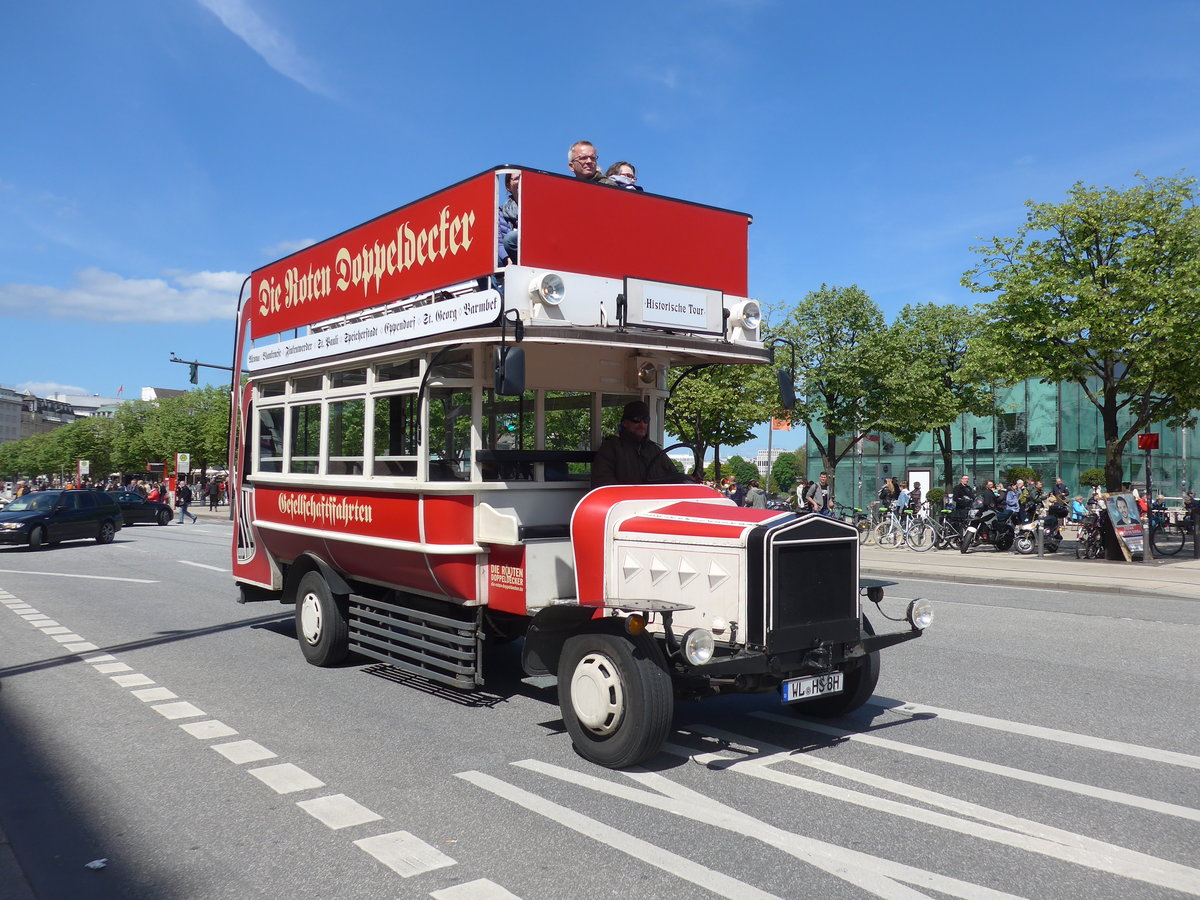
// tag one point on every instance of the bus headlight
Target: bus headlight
(746, 314)
(698, 646)
(920, 614)
(548, 288)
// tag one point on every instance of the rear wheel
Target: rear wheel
(863, 524)
(921, 536)
(322, 622)
(616, 697)
(107, 532)
(885, 534)
(1166, 541)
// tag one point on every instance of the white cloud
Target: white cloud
(106, 297)
(275, 49)
(46, 388)
(283, 248)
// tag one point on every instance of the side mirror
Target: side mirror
(510, 371)
(787, 390)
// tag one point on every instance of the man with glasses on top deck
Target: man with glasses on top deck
(630, 457)
(583, 160)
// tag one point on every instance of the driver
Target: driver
(630, 457)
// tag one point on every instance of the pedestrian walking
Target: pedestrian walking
(214, 494)
(183, 497)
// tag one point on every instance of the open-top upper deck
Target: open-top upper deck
(624, 258)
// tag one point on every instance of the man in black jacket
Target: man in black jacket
(630, 457)
(584, 162)
(964, 496)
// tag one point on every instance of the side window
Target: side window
(396, 435)
(568, 427)
(270, 440)
(87, 500)
(346, 438)
(509, 423)
(449, 434)
(305, 454)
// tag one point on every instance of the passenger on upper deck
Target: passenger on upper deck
(630, 457)
(506, 221)
(624, 174)
(583, 160)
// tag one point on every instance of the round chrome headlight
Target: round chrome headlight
(548, 288)
(747, 314)
(698, 646)
(920, 613)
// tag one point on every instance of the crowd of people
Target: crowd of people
(211, 491)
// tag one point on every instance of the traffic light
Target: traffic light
(192, 373)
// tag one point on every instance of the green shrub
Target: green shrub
(1024, 472)
(935, 496)
(1092, 477)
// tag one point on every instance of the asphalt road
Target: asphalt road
(1035, 744)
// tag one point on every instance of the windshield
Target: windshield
(39, 502)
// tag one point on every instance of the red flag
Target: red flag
(784, 424)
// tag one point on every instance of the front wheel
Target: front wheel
(1024, 544)
(863, 524)
(322, 622)
(164, 517)
(968, 538)
(616, 697)
(921, 536)
(37, 538)
(885, 534)
(859, 686)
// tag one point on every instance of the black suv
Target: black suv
(47, 517)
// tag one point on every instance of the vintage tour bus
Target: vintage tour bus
(412, 434)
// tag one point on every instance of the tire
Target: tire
(964, 542)
(885, 535)
(616, 697)
(1167, 542)
(163, 517)
(322, 622)
(1004, 542)
(859, 686)
(864, 529)
(921, 537)
(1025, 544)
(37, 538)
(107, 532)
(1080, 549)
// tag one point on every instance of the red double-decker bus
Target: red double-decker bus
(411, 447)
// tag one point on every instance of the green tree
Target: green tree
(937, 375)
(1091, 477)
(785, 472)
(742, 471)
(1103, 290)
(720, 406)
(841, 357)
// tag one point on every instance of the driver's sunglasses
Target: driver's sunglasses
(639, 420)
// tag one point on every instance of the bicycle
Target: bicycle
(1166, 537)
(947, 530)
(1089, 543)
(858, 518)
(902, 528)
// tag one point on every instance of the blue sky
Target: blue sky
(154, 153)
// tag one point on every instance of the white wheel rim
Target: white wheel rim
(310, 618)
(596, 694)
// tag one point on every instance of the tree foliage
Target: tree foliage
(1103, 290)
(785, 473)
(938, 374)
(720, 406)
(841, 358)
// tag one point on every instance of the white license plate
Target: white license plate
(815, 686)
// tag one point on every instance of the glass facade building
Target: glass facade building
(1051, 428)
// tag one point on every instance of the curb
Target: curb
(1048, 584)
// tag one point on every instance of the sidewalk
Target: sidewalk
(1176, 576)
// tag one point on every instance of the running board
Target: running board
(444, 649)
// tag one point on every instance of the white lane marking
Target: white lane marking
(206, 730)
(180, 710)
(244, 751)
(660, 858)
(1005, 829)
(82, 647)
(1007, 587)
(338, 811)
(188, 562)
(55, 629)
(1062, 784)
(20, 606)
(881, 877)
(404, 853)
(35, 617)
(149, 695)
(479, 889)
(132, 680)
(67, 638)
(109, 668)
(286, 778)
(1051, 734)
(104, 657)
(73, 575)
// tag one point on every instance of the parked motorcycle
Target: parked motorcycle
(985, 527)
(1026, 534)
